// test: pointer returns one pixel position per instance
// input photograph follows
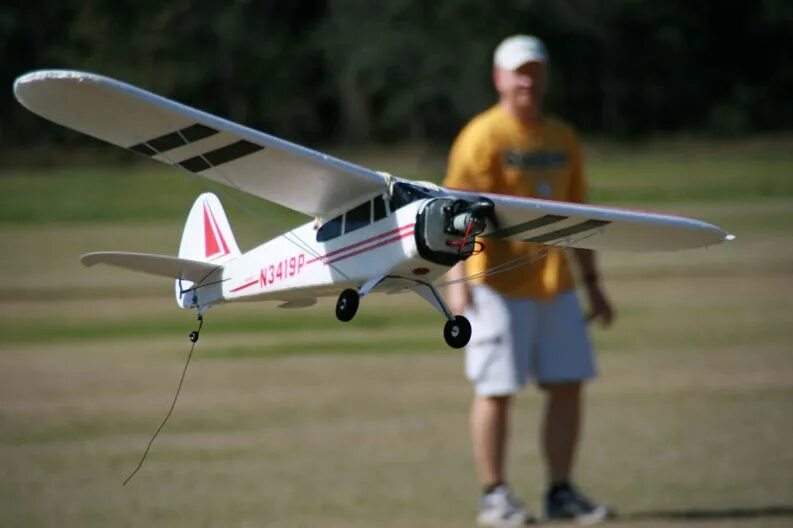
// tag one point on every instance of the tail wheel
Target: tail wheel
(347, 305)
(457, 332)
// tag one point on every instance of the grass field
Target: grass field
(289, 418)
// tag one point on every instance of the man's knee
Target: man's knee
(567, 390)
(490, 400)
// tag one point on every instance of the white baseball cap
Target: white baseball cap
(517, 50)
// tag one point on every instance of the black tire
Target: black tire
(457, 333)
(347, 305)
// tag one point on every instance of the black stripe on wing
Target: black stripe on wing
(526, 226)
(173, 140)
(588, 225)
(219, 156)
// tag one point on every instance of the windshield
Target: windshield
(405, 193)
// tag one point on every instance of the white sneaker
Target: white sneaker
(501, 509)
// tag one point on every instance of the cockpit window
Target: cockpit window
(379, 208)
(404, 194)
(361, 215)
(330, 229)
(358, 217)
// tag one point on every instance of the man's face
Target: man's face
(524, 87)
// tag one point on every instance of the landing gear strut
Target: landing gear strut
(347, 305)
(457, 332)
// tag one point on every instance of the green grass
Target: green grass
(290, 418)
(118, 193)
(296, 347)
(16, 331)
(647, 174)
(708, 178)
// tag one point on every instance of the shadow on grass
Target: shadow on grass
(702, 514)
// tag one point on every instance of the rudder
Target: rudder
(207, 237)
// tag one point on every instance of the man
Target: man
(526, 321)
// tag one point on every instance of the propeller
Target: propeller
(486, 209)
(472, 217)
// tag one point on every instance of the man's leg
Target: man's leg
(560, 433)
(497, 373)
(560, 429)
(489, 423)
(489, 435)
(565, 362)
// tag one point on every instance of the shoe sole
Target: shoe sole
(598, 515)
(485, 521)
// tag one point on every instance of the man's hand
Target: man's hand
(459, 297)
(458, 294)
(599, 306)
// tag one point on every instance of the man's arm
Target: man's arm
(599, 305)
(471, 165)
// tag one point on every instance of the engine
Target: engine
(446, 228)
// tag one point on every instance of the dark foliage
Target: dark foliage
(354, 71)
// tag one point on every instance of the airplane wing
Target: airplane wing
(257, 163)
(593, 227)
(162, 265)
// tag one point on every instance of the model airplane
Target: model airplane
(371, 232)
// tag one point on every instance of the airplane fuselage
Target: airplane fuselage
(296, 267)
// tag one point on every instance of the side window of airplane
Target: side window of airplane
(379, 208)
(330, 229)
(358, 217)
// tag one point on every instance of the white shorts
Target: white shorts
(514, 339)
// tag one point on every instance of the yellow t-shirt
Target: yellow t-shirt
(496, 153)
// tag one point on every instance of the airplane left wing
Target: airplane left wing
(271, 168)
(592, 227)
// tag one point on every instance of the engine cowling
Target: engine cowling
(446, 228)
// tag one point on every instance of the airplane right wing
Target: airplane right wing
(254, 162)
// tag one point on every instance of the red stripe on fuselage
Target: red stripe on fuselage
(385, 242)
(361, 243)
(385, 239)
(247, 285)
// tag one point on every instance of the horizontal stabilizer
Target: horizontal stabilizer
(162, 265)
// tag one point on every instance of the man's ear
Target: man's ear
(497, 79)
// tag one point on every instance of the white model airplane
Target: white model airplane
(371, 232)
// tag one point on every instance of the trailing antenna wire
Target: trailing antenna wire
(193, 339)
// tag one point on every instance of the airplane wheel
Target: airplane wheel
(347, 305)
(457, 333)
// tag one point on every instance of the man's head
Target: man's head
(519, 75)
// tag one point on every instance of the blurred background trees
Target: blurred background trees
(351, 72)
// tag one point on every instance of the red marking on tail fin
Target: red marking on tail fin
(211, 246)
(219, 233)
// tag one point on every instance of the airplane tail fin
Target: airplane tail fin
(207, 237)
